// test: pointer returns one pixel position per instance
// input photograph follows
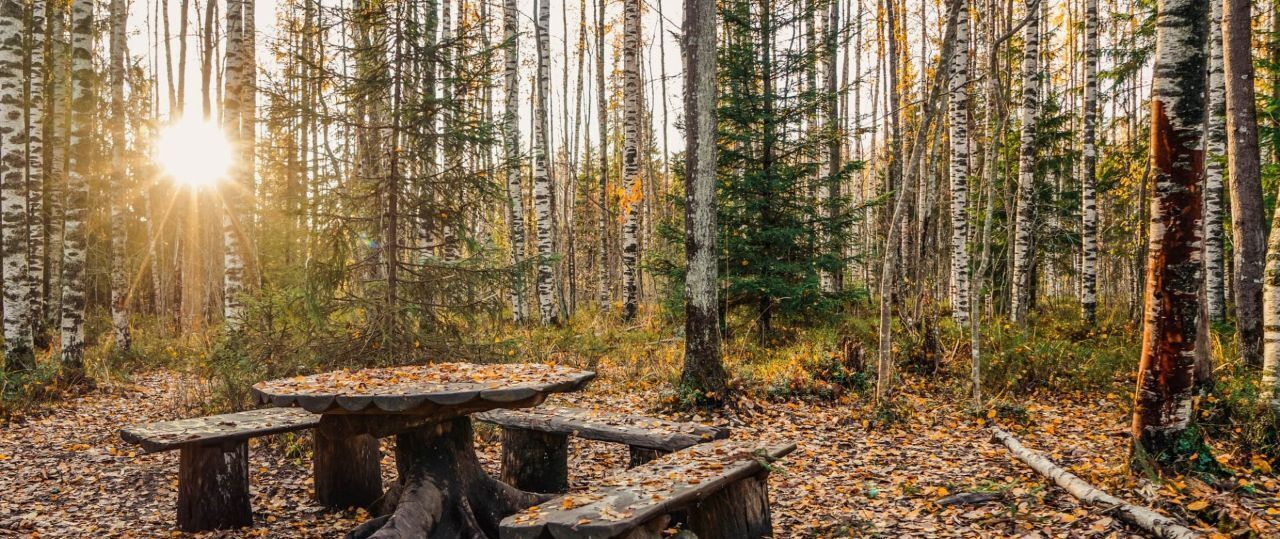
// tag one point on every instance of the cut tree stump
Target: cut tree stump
(534, 460)
(443, 493)
(720, 486)
(347, 465)
(1146, 519)
(213, 487)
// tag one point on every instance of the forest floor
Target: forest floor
(65, 473)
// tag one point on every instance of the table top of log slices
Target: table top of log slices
(406, 389)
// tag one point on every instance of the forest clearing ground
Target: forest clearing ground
(65, 473)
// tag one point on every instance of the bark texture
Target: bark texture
(80, 165)
(14, 248)
(1247, 214)
(1214, 162)
(1166, 372)
(632, 183)
(543, 187)
(959, 134)
(1089, 170)
(511, 150)
(1024, 235)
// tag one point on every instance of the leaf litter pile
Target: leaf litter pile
(64, 472)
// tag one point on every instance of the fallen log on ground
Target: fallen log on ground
(1151, 521)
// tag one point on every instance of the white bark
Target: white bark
(1151, 521)
(632, 184)
(543, 188)
(36, 76)
(511, 149)
(1089, 167)
(80, 164)
(959, 134)
(119, 279)
(13, 188)
(1024, 239)
(232, 194)
(1215, 161)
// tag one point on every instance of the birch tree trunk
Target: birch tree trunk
(1089, 168)
(1271, 318)
(1247, 219)
(602, 118)
(14, 249)
(119, 13)
(1024, 236)
(232, 107)
(1166, 372)
(35, 107)
(1215, 158)
(80, 164)
(57, 104)
(548, 297)
(511, 149)
(959, 134)
(703, 370)
(632, 187)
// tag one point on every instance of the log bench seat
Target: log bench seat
(717, 490)
(213, 466)
(535, 441)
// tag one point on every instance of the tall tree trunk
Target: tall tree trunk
(119, 280)
(835, 145)
(56, 130)
(602, 119)
(36, 77)
(1024, 237)
(1247, 219)
(632, 183)
(1089, 169)
(14, 249)
(183, 13)
(1166, 372)
(959, 134)
(543, 187)
(80, 165)
(511, 167)
(1215, 159)
(233, 193)
(703, 370)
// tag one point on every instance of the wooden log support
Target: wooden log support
(347, 465)
(1154, 523)
(642, 455)
(535, 461)
(739, 511)
(213, 487)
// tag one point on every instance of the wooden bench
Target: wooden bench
(718, 490)
(535, 441)
(213, 467)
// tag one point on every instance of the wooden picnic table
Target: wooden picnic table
(442, 492)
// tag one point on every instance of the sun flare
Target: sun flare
(194, 152)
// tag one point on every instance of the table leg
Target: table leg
(442, 491)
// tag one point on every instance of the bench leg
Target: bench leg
(642, 455)
(739, 511)
(213, 487)
(347, 467)
(535, 461)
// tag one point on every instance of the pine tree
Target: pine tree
(1245, 176)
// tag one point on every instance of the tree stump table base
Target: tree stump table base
(443, 493)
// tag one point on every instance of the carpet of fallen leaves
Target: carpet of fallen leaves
(64, 472)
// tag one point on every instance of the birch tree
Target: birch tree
(14, 248)
(632, 188)
(959, 134)
(1024, 236)
(80, 164)
(511, 150)
(1088, 169)
(35, 107)
(1166, 371)
(543, 188)
(233, 193)
(602, 121)
(119, 13)
(703, 370)
(1214, 159)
